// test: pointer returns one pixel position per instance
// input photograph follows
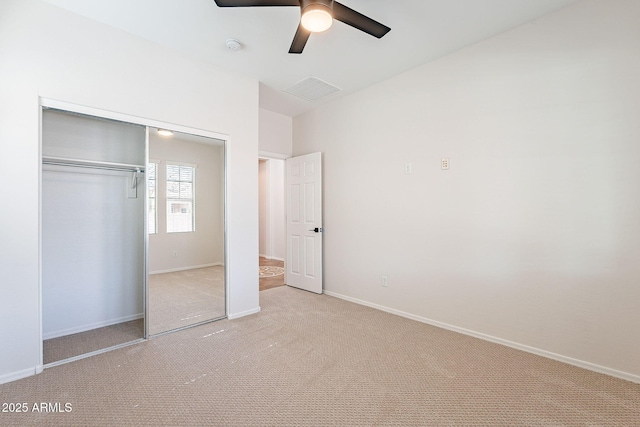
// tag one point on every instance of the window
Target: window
(152, 213)
(180, 198)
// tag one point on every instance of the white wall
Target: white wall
(205, 245)
(278, 209)
(92, 251)
(272, 209)
(263, 209)
(275, 133)
(532, 237)
(49, 52)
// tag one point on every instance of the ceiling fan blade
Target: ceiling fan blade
(357, 20)
(299, 40)
(253, 3)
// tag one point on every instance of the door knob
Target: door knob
(316, 230)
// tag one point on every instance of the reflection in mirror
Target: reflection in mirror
(185, 197)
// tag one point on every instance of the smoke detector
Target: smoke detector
(233, 44)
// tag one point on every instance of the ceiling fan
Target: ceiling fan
(316, 16)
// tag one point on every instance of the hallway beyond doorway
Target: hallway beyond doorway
(271, 282)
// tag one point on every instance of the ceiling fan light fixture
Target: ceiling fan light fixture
(316, 18)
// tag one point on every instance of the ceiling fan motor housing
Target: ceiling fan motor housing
(308, 5)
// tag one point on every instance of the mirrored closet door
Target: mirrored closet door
(133, 233)
(186, 183)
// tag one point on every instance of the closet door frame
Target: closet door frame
(148, 123)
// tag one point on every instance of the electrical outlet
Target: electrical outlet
(408, 168)
(175, 254)
(444, 163)
(385, 281)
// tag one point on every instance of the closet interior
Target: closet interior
(93, 250)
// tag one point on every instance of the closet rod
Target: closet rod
(63, 161)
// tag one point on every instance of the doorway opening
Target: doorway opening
(272, 241)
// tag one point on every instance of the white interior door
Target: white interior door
(304, 222)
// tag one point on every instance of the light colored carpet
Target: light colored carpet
(176, 299)
(314, 360)
(184, 298)
(61, 348)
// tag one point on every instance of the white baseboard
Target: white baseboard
(192, 267)
(271, 257)
(232, 316)
(533, 350)
(90, 326)
(14, 376)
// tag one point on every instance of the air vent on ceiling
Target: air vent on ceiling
(312, 89)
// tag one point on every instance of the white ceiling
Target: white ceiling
(421, 31)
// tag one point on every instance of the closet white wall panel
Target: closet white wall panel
(76, 136)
